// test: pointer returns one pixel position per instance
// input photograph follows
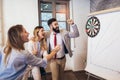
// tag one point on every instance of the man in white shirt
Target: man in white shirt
(59, 37)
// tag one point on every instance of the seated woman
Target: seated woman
(14, 59)
(37, 46)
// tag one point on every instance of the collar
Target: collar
(54, 33)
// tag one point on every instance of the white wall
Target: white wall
(0, 23)
(25, 12)
(79, 10)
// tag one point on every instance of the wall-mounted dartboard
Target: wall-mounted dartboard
(92, 26)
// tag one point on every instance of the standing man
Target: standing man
(60, 37)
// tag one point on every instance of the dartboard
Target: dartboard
(92, 26)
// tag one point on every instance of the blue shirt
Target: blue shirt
(17, 63)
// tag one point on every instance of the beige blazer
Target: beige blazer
(65, 37)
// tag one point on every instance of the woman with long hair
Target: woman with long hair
(38, 47)
(14, 59)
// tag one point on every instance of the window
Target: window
(53, 9)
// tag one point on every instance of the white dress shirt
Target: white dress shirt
(61, 52)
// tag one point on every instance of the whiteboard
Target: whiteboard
(103, 57)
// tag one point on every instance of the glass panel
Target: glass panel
(62, 25)
(46, 7)
(60, 8)
(46, 27)
(46, 16)
(61, 16)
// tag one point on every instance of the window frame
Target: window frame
(54, 2)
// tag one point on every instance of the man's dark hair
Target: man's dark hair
(51, 20)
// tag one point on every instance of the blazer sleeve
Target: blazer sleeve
(74, 33)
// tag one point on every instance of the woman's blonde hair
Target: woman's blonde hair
(14, 40)
(43, 44)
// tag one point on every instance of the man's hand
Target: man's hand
(70, 21)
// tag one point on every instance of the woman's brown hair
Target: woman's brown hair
(14, 40)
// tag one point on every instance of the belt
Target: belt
(61, 57)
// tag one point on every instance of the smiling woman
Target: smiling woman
(37, 46)
(14, 58)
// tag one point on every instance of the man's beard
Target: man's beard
(56, 30)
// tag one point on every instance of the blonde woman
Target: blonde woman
(14, 59)
(37, 46)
